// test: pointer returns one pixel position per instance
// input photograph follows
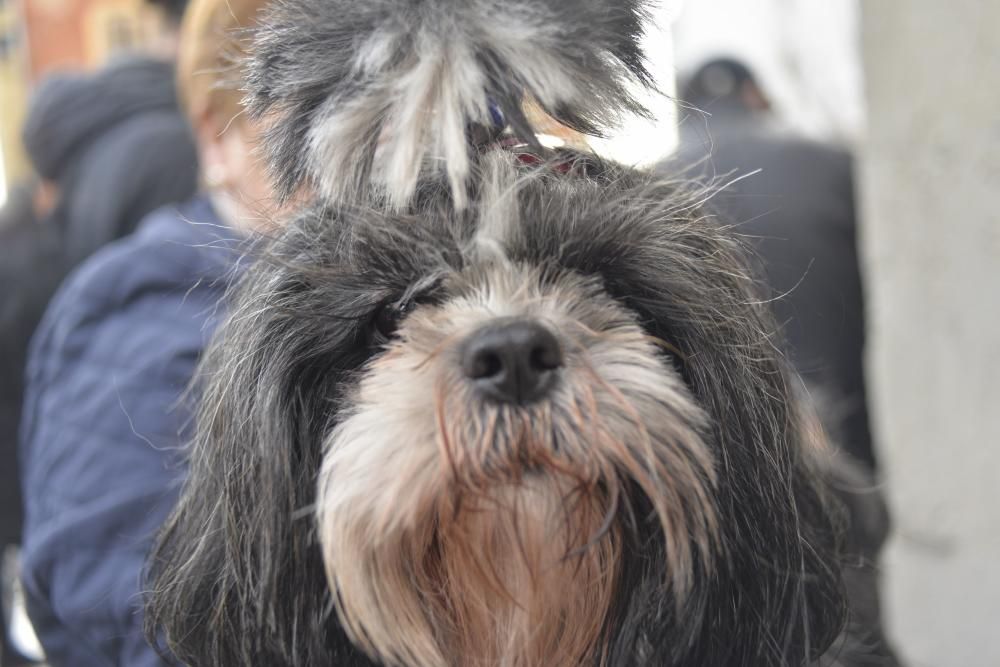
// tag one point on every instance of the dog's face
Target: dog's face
(516, 423)
(550, 428)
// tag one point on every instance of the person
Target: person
(106, 412)
(106, 148)
(30, 271)
(22, 222)
(113, 145)
(793, 199)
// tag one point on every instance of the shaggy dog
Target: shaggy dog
(483, 403)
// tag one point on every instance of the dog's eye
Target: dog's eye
(388, 317)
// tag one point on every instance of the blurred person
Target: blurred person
(30, 272)
(113, 145)
(23, 221)
(793, 198)
(106, 411)
(799, 213)
(107, 148)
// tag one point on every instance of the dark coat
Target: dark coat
(799, 214)
(30, 271)
(105, 416)
(116, 147)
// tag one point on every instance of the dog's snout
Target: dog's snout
(514, 362)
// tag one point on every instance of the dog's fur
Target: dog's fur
(365, 98)
(353, 498)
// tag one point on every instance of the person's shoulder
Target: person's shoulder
(175, 252)
(140, 310)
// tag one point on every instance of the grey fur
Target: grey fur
(410, 217)
(365, 97)
(238, 574)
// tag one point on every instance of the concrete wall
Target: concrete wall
(931, 239)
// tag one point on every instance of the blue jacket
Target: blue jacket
(105, 415)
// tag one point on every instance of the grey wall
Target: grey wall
(930, 183)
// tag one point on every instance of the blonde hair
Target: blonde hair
(213, 40)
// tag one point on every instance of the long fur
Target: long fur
(466, 507)
(364, 98)
(353, 500)
(238, 573)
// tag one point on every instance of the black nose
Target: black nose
(514, 362)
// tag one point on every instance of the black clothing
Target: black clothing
(798, 213)
(116, 147)
(104, 426)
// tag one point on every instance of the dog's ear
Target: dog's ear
(361, 98)
(779, 601)
(234, 576)
(778, 598)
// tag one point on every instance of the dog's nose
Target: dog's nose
(514, 362)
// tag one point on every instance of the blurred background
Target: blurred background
(861, 139)
(38, 37)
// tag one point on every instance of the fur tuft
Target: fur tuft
(335, 75)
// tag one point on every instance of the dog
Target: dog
(483, 403)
